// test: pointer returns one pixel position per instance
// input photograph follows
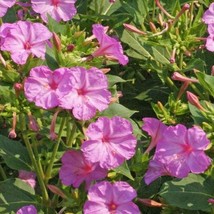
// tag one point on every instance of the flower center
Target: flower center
(81, 91)
(87, 168)
(112, 206)
(53, 85)
(27, 45)
(55, 2)
(105, 139)
(188, 148)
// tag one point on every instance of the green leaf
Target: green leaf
(124, 170)
(14, 194)
(191, 193)
(113, 79)
(133, 41)
(207, 81)
(14, 154)
(117, 109)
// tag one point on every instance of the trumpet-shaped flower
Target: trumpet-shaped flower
(110, 142)
(182, 150)
(24, 38)
(76, 169)
(208, 16)
(89, 93)
(29, 209)
(108, 46)
(4, 5)
(45, 87)
(155, 129)
(108, 198)
(57, 9)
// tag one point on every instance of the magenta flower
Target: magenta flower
(89, 93)
(155, 169)
(24, 38)
(4, 5)
(28, 177)
(155, 129)
(108, 46)
(57, 9)
(76, 169)
(182, 150)
(45, 87)
(29, 209)
(208, 16)
(110, 142)
(108, 198)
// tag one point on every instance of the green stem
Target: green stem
(3, 175)
(71, 136)
(50, 166)
(34, 161)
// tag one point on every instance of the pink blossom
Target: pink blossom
(89, 93)
(4, 5)
(111, 198)
(155, 129)
(108, 46)
(24, 38)
(76, 169)
(110, 142)
(57, 9)
(29, 209)
(182, 150)
(45, 87)
(210, 39)
(28, 177)
(155, 169)
(208, 16)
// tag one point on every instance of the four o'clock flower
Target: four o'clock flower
(28, 177)
(45, 87)
(76, 169)
(182, 150)
(29, 209)
(111, 198)
(4, 5)
(155, 129)
(208, 16)
(110, 142)
(89, 93)
(57, 9)
(24, 38)
(108, 46)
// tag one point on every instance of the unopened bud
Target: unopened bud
(57, 42)
(33, 125)
(70, 47)
(133, 29)
(193, 99)
(56, 191)
(149, 203)
(179, 77)
(152, 27)
(211, 200)
(12, 134)
(18, 86)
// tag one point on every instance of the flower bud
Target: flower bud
(133, 29)
(179, 77)
(12, 134)
(57, 41)
(149, 203)
(193, 99)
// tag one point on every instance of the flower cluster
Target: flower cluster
(179, 150)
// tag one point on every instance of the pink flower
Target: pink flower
(4, 5)
(208, 16)
(108, 46)
(155, 129)
(182, 150)
(155, 170)
(108, 198)
(45, 87)
(210, 39)
(24, 38)
(110, 142)
(28, 177)
(76, 169)
(29, 209)
(57, 9)
(89, 93)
